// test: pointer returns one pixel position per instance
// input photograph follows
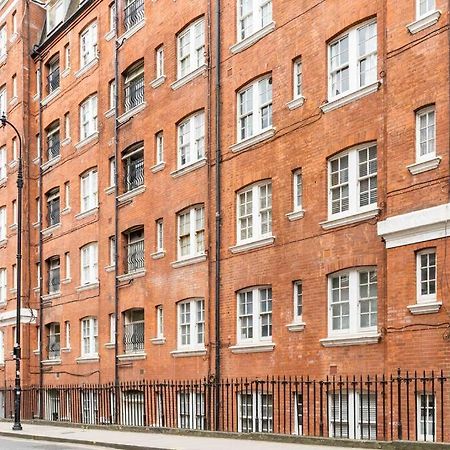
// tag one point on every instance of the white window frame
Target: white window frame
(89, 190)
(3, 101)
(253, 217)
(14, 212)
(256, 321)
(192, 327)
(159, 235)
(190, 416)
(353, 182)
(89, 337)
(67, 265)
(14, 276)
(3, 285)
(159, 61)
(89, 263)
(3, 41)
(159, 322)
(2, 348)
(112, 94)
(191, 48)
(67, 125)
(67, 56)
(3, 163)
(191, 139)
(3, 223)
(88, 44)
(67, 333)
(298, 295)
(353, 63)
(159, 146)
(354, 302)
(112, 250)
(112, 170)
(430, 141)
(112, 17)
(195, 232)
(261, 417)
(252, 16)
(430, 7)
(14, 85)
(297, 78)
(112, 328)
(430, 435)
(67, 195)
(426, 298)
(88, 117)
(251, 109)
(297, 190)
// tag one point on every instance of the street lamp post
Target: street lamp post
(17, 352)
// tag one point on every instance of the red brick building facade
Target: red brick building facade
(332, 129)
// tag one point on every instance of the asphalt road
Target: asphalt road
(24, 444)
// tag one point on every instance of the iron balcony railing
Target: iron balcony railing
(53, 212)
(133, 13)
(53, 147)
(134, 93)
(54, 281)
(412, 406)
(134, 173)
(135, 256)
(133, 337)
(54, 347)
(53, 80)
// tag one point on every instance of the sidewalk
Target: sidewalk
(134, 440)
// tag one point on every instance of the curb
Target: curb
(34, 437)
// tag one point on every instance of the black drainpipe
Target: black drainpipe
(218, 214)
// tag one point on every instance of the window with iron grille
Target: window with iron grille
(352, 181)
(352, 60)
(191, 232)
(254, 108)
(191, 139)
(353, 299)
(253, 16)
(53, 341)
(191, 48)
(133, 13)
(53, 74)
(255, 412)
(134, 86)
(191, 325)
(53, 141)
(191, 409)
(133, 331)
(254, 311)
(88, 117)
(53, 275)
(53, 207)
(135, 250)
(133, 164)
(254, 212)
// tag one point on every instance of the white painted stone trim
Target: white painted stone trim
(424, 166)
(296, 103)
(51, 362)
(186, 169)
(28, 316)
(253, 140)
(131, 194)
(348, 220)
(87, 213)
(239, 248)
(84, 69)
(133, 30)
(87, 359)
(296, 326)
(252, 348)
(185, 353)
(50, 163)
(356, 339)
(295, 215)
(188, 261)
(46, 100)
(132, 356)
(424, 22)
(157, 81)
(89, 286)
(158, 340)
(49, 231)
(424, 308)
(131, 113)
(87, 140)
(189, 77)
(158, 255)
(252, 39)
(158, 167)
(132, 275)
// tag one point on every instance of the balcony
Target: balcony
(133, 337)
(133, 14)
(134, 93)
(53, 147)
(134, 173)
(54, 281)
(54, 347)
(135, 256)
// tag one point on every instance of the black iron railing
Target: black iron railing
(135, 256)
(53, 80)
(134, 173)
(402, 406)
(53, 216)
(53, 147)
(54, 347)
(54, 280)
(133, 13)
(134, 93)
(133, 337)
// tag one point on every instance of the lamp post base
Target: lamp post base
(17, 427)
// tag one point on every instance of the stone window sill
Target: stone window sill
(65, 72)
(109, 190)
(88, 66)
(66, 349)
(48, 297)
(131, 113)
(250, 40)
(110, 112)
(13, 101)
(188, 261)
(93, 137)
(132, 356)
(66, 141)
(13, 227)
(3, 243)
(46, 100)
(188, 352)
(87, 213)
(424, 22)
(110, 268)
(66, 280)
(295, 215)
(49, 231)
(13, 163)
(51, 362)
(424, 166)
(50, 163)
(239, 248)
(37, 351)
(132, 275)
(89, 286)
(66, 210)
(110, 34)
(351, 339)
(158, 340)
(296, 326)
(190, 168)
(158, 167)
(296, 103)
(110, 345)
(133, 30)
(157, 81)
(252, 348)
(189, 77)
(131, 194)
(351, 97)
(425, 308)
(350, 219)
(3, 181)
(87, 359)
(251, 141)
(158, 255)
